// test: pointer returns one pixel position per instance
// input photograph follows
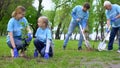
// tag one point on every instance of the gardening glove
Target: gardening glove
(46, 56)
(29, 37)
(107, 30)
(15, 53)
(113, 19)
(35, 53)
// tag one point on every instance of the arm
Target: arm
(10, 32)
(108, 19)
(47, 46)
(74, 15)
(48, 41)
(108, 23)
(118, 10)
(11, 39)
(84, 21)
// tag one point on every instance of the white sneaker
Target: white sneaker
(118, 51)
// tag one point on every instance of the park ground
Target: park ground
(69, 58)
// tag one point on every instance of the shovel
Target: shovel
(88, 46)
(102, 45)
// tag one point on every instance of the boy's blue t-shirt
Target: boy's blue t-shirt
(43, 34)
(15, 26)
(112, 14)
(78, 12)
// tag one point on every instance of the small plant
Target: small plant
(24, 31)
(24, 34)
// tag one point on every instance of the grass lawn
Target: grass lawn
(69, 58)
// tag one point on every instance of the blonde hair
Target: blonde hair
(45, 20)
(19, 9)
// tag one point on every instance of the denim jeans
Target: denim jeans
(19, 43)
(40, 46)
(112, 36)
(70, 30)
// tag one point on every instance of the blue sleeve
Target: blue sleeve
(84, 21)
(49, 34)
(118, 9)
(10, 26)
(74, 10)
(36, 34)
(106, 13)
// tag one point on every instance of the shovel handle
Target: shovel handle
(82, 32)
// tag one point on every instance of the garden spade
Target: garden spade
(102, 45)
(88, 46)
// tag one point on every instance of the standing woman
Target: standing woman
(17, 39)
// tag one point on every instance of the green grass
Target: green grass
(69, 58)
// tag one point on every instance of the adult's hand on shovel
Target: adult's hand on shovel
(77, 19)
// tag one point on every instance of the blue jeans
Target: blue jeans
(40, 46)
(19, 43)
(112, 36)
(70, 30)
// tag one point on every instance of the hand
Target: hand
(15, 53)
(35, 53)
(29, 37)
(83, 31)
(46, 56)
(77, 19)
(113, 19)
(107, 30)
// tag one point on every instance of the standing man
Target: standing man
(113, 20)
(80, 16)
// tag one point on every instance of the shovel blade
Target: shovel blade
(102, 46)
(88, 46)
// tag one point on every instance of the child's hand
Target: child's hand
(15, 53)
(46, 56)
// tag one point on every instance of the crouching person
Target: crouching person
(19, 34)
(43, 40)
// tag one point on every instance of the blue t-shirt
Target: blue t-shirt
(15, 26)
(78, 12)
(43, 34)
(113, 13)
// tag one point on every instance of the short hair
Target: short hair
(86, 5)
(107, 3)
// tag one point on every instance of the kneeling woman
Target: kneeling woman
(19, 34)
(43, 39)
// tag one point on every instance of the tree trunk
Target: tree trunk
(37, 16)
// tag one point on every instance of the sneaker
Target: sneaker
(79, 48)
(35, 54)
(118, 51)
(64, 47)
